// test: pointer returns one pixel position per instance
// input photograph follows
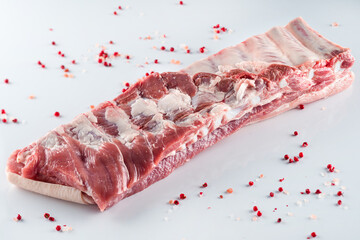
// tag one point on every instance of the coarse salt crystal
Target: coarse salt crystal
(313, 217)
(299, 203)
(290, 214)
(254, 219)
(322, 174)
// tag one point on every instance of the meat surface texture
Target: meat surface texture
(125, 145)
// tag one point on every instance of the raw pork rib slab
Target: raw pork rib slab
(125, 145)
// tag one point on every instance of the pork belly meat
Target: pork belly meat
(125, 145)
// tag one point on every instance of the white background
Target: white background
(333, 133)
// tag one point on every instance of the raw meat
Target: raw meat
(123, 146)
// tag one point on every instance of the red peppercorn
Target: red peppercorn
(63, 55)
(188, 51)
(259, 214)
(110, 64)
(18, 217)
(329, 166)
(115, 13)
(181, 2)
(176, 202)
(281, 189)
(147, 74)
(339, 193)
(46, 215)
(332, 169)
(156, 61)
(4, 120)
(73, 62)
(127, 57)
(39, 63)
(317, 191)
(313, 234)
(111, 42)
(56, 114)
(58, 228)
(6, 81)
(279, 220)
(296, 159)
(172, 49)
(62, 67)
(301, 106)
(217, 31)
(182, 196)
(286, 157)
(124, 90)
(216, 26)
(307, 191)
(59, 52)
(202, 49)
(99, 60)
(339, 202)
(163, 48)
(205, 185)
(290, 160)
(127, 84)
(43, 66)
(53, 43)
(251, 183)
(301, 154)
(255, 208)
(271, 194)
(51, 219)
(223, 29)
(116, 54)
(221, 196)
(120, 7)
(305, 144)
(296, 133)
(3, 111)
(282, 179)
(105, 64)
(14, 120)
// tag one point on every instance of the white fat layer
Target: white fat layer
(174, 101)
(252, 66)
(311, 74)
(337, 66)
(283, 83)
(51, 141)
(91, 117)
(83, 130)
(126, 131)
(144, 107)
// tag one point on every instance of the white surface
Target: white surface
(79, 25)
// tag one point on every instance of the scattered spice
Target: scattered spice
(317, 191)
(202, 49)
(251, 183)
(181, 3)
(172, 49)
(279, 220)
(58, 228)
(313, 234)
(156, 61)
(339, 202)
(286, 157)
(52, 219)
(307, 191)
(296, 159)
(301, 106)
(296, 133)
(14, 120)
(281, 180)
(176, 202)
(301, 154)
(182, 196)
(259, 214)
(229, 190)
(18, 217)
(56, 114)
(255, 208)
(305, 144)
(46, 215)
(221, 196)
(271, 194)
(73, 62)
(280, 189)
(204, 185)
(339, 193)
(6, 81)
(53, 43)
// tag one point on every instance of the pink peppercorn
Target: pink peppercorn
(4, 120)
(127, 57)
(313, 234)
(279, 220)
(339, 202)
(286, 157)
(115, 13)
(53, 43)
(205, 185)
(6, 81)
(301, 106)
(172, 49)
(301, 154)
(259, 214)
(317, 191)
(296, 159)
(162, 48)
(181, 2)
(307, 191)
(188, 51)
(296, 133)
(46, 215)
(56, 114)
(281, 189)
(255, 208)
(251, 183)
(73, 62)
(51, 219)
(202, 49)
(305, 144)
(14, 120)
(156, 61)
(58, 228)
(182, 196)
(176, 202)
(271, 194)
(339, 193)
(18, 217)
